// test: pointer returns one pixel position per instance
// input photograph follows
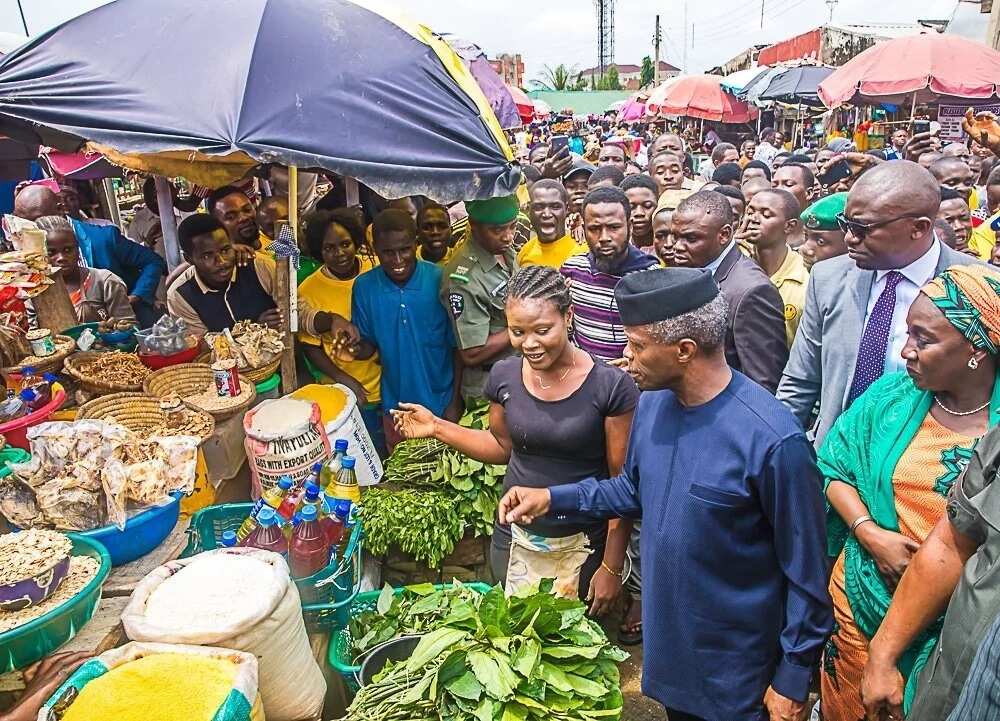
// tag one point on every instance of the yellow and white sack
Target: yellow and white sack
(237, 598)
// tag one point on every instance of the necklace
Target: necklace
(538, 378)
(946, 409)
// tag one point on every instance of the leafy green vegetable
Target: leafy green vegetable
(424, 524)
(532, 658)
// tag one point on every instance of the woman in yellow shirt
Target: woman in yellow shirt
(335, 237)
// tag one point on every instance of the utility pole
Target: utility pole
(685, 60)
(761, 14)
(657, 37)
(832, 5)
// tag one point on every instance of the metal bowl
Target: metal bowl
(28, 592)
(398, 649)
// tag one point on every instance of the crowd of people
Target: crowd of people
(748, 396)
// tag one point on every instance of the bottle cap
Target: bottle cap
(308, 513)
(266, 516)
(312, 489)
(27, 371)
(285, 482)
(28, 395)
(342, 508)
(317, 467)
(340, 445)
(347, 462)
(228, 538)
(50, 377)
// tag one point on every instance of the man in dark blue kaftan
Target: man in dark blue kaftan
(735, 602)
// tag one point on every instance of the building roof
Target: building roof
(887, 30)
(628, 68)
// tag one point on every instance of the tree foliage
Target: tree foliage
(610, 81)
(558, 78)
(648, 72)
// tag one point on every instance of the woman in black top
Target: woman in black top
(556, 416)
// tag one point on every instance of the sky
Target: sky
(565, 31)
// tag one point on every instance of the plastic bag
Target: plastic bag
(268, 625)
(285, 436)
(241, 704)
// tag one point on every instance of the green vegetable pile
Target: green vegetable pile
(534, 658)
(423, 524)
(427, 486)
(417, 610)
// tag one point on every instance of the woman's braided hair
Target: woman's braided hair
(539, 282)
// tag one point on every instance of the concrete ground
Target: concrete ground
(637, 707)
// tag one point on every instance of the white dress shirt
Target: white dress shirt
(915, 276)
(714, 265)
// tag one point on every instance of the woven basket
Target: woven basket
(138, 412)
(254, 375)
(74, 367)
(65, 346)
(191, 379)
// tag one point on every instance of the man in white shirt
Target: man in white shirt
(765, 147)
(854, 323)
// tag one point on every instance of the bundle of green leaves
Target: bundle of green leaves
(413, 610)
(423, 524)
(532, 658)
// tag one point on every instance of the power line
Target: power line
(728, 29)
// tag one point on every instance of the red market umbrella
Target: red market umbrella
(699, 96)
(525, 106)
(922, 68)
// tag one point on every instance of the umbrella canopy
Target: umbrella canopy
(230, 83)
(735, 82)
(796, 85)
(928, 67)
(489, 82)
(699, 96)
(541, 107)
(632, 109)
(525, 105)
(80, 166)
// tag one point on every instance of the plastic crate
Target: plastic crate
(326, 596)
(340, 656)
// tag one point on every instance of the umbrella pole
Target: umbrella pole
(286, 288)
(913, 107)
(114, 211)
(168, 222)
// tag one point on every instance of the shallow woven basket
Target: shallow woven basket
(254, 375)
(74, 365)
(191, 379)
(136, 411)
(65, 346)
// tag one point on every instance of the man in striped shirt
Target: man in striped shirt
(597, 326)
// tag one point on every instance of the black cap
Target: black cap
(580, 166)
(662, 293)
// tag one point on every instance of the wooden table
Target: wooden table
(123, 579)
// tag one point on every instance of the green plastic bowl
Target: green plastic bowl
(22, 646)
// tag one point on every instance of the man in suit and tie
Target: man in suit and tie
(702, 231)
(854, 324)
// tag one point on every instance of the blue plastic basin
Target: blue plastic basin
(142, 533)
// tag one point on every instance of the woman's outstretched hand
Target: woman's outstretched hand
(414, 421)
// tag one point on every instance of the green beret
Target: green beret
(493, 211)
(822, 215)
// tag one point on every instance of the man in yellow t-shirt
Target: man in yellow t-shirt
(434, 234)
(772, 217)
(335, 237)
(550, 245)
(984, 237)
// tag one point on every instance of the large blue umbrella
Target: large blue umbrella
(208, 88)
(796, 85)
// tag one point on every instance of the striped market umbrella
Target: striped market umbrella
(340, 85)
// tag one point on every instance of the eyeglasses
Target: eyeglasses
(860, 230)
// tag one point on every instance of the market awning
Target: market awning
(227, 84)
(919, 69)
(699, 96)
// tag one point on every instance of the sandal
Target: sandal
(630, 634)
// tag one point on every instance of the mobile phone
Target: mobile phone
(836, 172)
(921, 126)
(558, 142)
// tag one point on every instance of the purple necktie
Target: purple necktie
(871, 351)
